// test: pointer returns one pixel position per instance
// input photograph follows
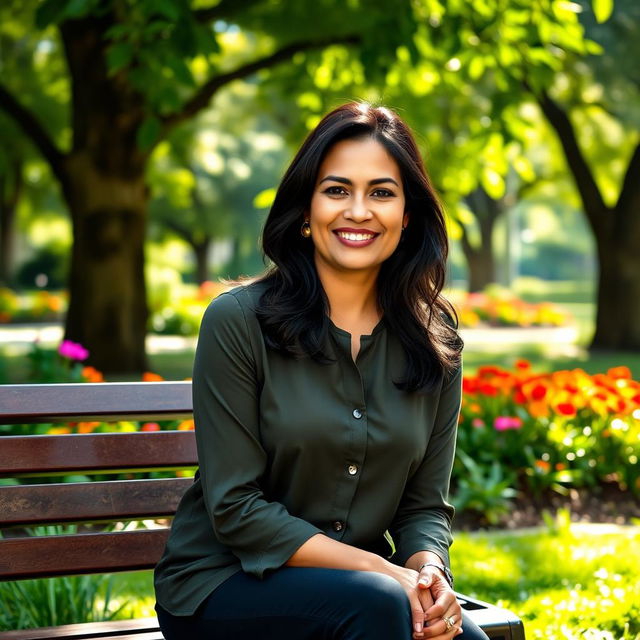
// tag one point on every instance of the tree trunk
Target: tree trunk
(201, 253)
(107, 302)
(618, 310)
(107, 197)
(617, 235)
(480, 259)
(481, 267)
(10, 191)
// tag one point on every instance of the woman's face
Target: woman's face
(357, 208)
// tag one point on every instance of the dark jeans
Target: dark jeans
(302, 604)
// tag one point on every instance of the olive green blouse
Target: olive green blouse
(291, 448)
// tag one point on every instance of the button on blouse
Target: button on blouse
(275, 436)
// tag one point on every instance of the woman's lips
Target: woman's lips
(355, 239)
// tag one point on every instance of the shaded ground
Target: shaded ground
(607, 504)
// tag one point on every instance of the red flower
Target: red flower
(519, 397)
(566, 409)
(150, 426)
(538, 392)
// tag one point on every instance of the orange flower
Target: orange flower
(543, 465)
(87, 427)
(186, 425)
(538, 409)
(148, 376)
(91, 374)
(150, 426)
(619, 372)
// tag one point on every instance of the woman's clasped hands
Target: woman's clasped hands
(435, 611)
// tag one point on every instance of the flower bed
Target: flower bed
(528, 431)
(35, 306)
(498, 307)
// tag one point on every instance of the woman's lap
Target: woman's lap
(302, 604)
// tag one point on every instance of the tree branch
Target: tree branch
(224, 10)
(34, 131)
(592, 200)
(202, 97)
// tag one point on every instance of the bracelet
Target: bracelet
(445, 571)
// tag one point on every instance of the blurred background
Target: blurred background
(141, 143)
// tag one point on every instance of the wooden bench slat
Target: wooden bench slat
(33, 403)
(90, 501)
(92, 453)
(45, 556)
(141, 628)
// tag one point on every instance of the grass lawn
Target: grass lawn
(572, 583)
(567, 582)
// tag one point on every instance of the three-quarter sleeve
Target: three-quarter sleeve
(226, 390)
(423, 519)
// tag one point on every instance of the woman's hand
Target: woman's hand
(408, 579)
(440, 604)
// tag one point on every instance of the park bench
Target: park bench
(96, 548)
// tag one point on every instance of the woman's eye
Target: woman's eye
(335, 191)
(383, 193)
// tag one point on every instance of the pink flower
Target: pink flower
(503, 423)
(477, 423)
(72, 350)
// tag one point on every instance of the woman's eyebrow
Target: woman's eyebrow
(347, 181)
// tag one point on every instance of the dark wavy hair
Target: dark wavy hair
(293, 308)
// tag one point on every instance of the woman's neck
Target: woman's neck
(353, 301)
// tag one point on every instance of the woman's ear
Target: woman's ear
(405, 220)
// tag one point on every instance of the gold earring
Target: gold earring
(305, 229)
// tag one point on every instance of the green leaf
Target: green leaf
(50, 12)
(79, 8)
(264, 199)
(180, 69)
(492, 182)
(148, 133)
(119, 56)
(602, 9)
(476, 67)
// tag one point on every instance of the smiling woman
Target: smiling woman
(358, 203)
(326, 399)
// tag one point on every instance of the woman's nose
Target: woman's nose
(358, 210)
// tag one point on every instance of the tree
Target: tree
(206, 179)
(614, 221)
(136, 71)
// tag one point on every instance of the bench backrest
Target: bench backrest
(99, 506)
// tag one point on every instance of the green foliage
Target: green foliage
(484, 489)
(49, 366)
(55, 601)
(68, 600)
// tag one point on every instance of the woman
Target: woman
(326, 397)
